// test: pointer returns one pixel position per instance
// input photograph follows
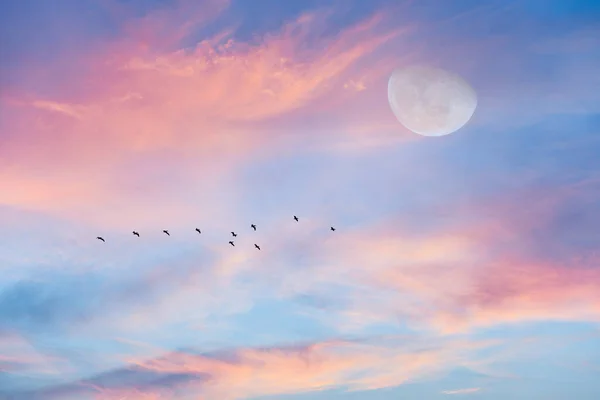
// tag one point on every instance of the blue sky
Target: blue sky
(463, 266)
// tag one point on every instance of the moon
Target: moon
(430, 101)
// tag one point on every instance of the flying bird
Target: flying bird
(167, 232)
(231, 243)
(296, 218)
(257, 246)
(198, 230)
(136, 234)
(253, 227)
(332, 229)
(99, 238)
(234, 234)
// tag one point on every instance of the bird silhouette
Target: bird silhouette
(257, 246)
(231, 243)
(233, 234)
(332, 229)
(136, 234)
(99, 238)
(198, 230)
(253, 227)
(296, 218)
(167, 232)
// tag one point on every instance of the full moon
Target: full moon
(430, 101)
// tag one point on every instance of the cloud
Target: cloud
(352, 85)
(462, 391)
(23, 363)
(66, 300)
(157, 128)
(487, 271)
(229, 80)
(485, 275)
(57, 107)
(134, 100)
(246, 372)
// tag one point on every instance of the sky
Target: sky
(462, 266)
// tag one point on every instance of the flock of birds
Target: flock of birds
(231, 242)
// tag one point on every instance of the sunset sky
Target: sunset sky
(463, 266)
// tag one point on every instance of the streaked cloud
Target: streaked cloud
(358, 365)
(141, 102)
(462, 391)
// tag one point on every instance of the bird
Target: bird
(296, 218)
(253, 227)
(332, 229)
(136, 234)
(99, 238)
(231, 243)
(257, 246)
(198, 230)
(233, 234)
(167, 232)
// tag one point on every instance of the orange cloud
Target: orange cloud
(226, 80)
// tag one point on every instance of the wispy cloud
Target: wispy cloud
(66, 109)
(462, 391)
(142, 100)
(354, 365)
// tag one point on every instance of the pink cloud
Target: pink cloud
(515, 291)
(226, 80)
(451, 279)
(320, 366)
(475, 275)
(139, 97)
(57, 107)
(471, 291)
(373, 363)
